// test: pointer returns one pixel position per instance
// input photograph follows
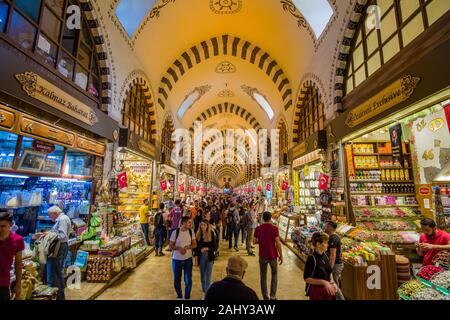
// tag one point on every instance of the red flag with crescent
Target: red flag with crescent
(122, 179)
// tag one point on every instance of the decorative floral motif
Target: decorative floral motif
(225, 6)
(28, 81)
(409, 84)
(290, 7)
(226, 93)
(226, 67)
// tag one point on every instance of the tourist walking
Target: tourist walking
(182, 242)
(160, 230)
(206, 240)
(233, 227)
(143, 219)
(268, 239)
(252, 223)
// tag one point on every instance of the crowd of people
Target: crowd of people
(194, 232)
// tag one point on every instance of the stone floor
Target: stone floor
(152, 279)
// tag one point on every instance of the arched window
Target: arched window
(39, 27)
(166, 141)
(401, 21)
(136, 114)
(310, 115)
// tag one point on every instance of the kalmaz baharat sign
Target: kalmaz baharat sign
(396, 93)
(42, 90)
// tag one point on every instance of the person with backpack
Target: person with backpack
(206, 247)
(318, 272)
(233, 227)
(160, 230)
(182, 242)
(175, 215)
(243, 223)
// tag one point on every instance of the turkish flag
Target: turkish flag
(192, 188)
(259, 188)
(447, 115)
(182, 187)
(323, 181)
(268, 187)
(197, 188)
(122, 179)
(284, 186)
(163, 185)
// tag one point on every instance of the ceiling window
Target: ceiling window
(318, 13)
(131, 13)
(193, 97)
(264, 104)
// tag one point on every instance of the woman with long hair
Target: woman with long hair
(318, 272)
(205, 252)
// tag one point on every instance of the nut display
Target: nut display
(410, 288)
(442, 279)
(428, 294)
(99, 269)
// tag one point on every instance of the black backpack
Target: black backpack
(159, 222)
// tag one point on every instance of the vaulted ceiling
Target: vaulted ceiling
(218, 53)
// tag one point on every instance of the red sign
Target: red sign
(323, 181)
(447, 115)
(284, 186)
(43, 147)
(424, 191)
(122, 179)
(163, 185)
(268, 187)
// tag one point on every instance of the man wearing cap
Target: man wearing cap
(232, 287)
(55, 266)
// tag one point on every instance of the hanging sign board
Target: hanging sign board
(46, 92)
(394, 94)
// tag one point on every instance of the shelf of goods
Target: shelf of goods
(301, 237)
(309, 194)
(358, 256)
(382, 194)
(442, 202)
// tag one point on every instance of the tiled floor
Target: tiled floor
(153, 280)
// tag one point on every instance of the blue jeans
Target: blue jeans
(178, 266)
(233, 229)
(205, 271)
(55, 271)
(159, 239)
(144, 227)
(243, 229)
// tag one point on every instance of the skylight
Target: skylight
(194, 96)
(131, 13)
(264, 104)
(317, 12)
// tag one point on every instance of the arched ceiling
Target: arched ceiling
(224, 50)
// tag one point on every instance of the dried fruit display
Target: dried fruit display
(429, 271)
(410, 288)
(442, 258)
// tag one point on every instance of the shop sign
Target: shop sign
(424, 191)
(44, 91)
(396, 93)
(299, 149)
(308, 158)
(43, 147)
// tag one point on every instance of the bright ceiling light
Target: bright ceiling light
(131, 13)
(317, 12)
(264, 104)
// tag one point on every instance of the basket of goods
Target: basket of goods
(428, 294)
(99, 269)
(442, 280)
(408, 289)
(443, 259)
(403, 269)
(427, 272)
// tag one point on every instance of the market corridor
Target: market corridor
(153, 280)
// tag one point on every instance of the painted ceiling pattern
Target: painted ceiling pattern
(225, 6)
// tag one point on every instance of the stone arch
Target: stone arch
(228, 46)
(138, 78)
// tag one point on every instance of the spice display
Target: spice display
(428, 271)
